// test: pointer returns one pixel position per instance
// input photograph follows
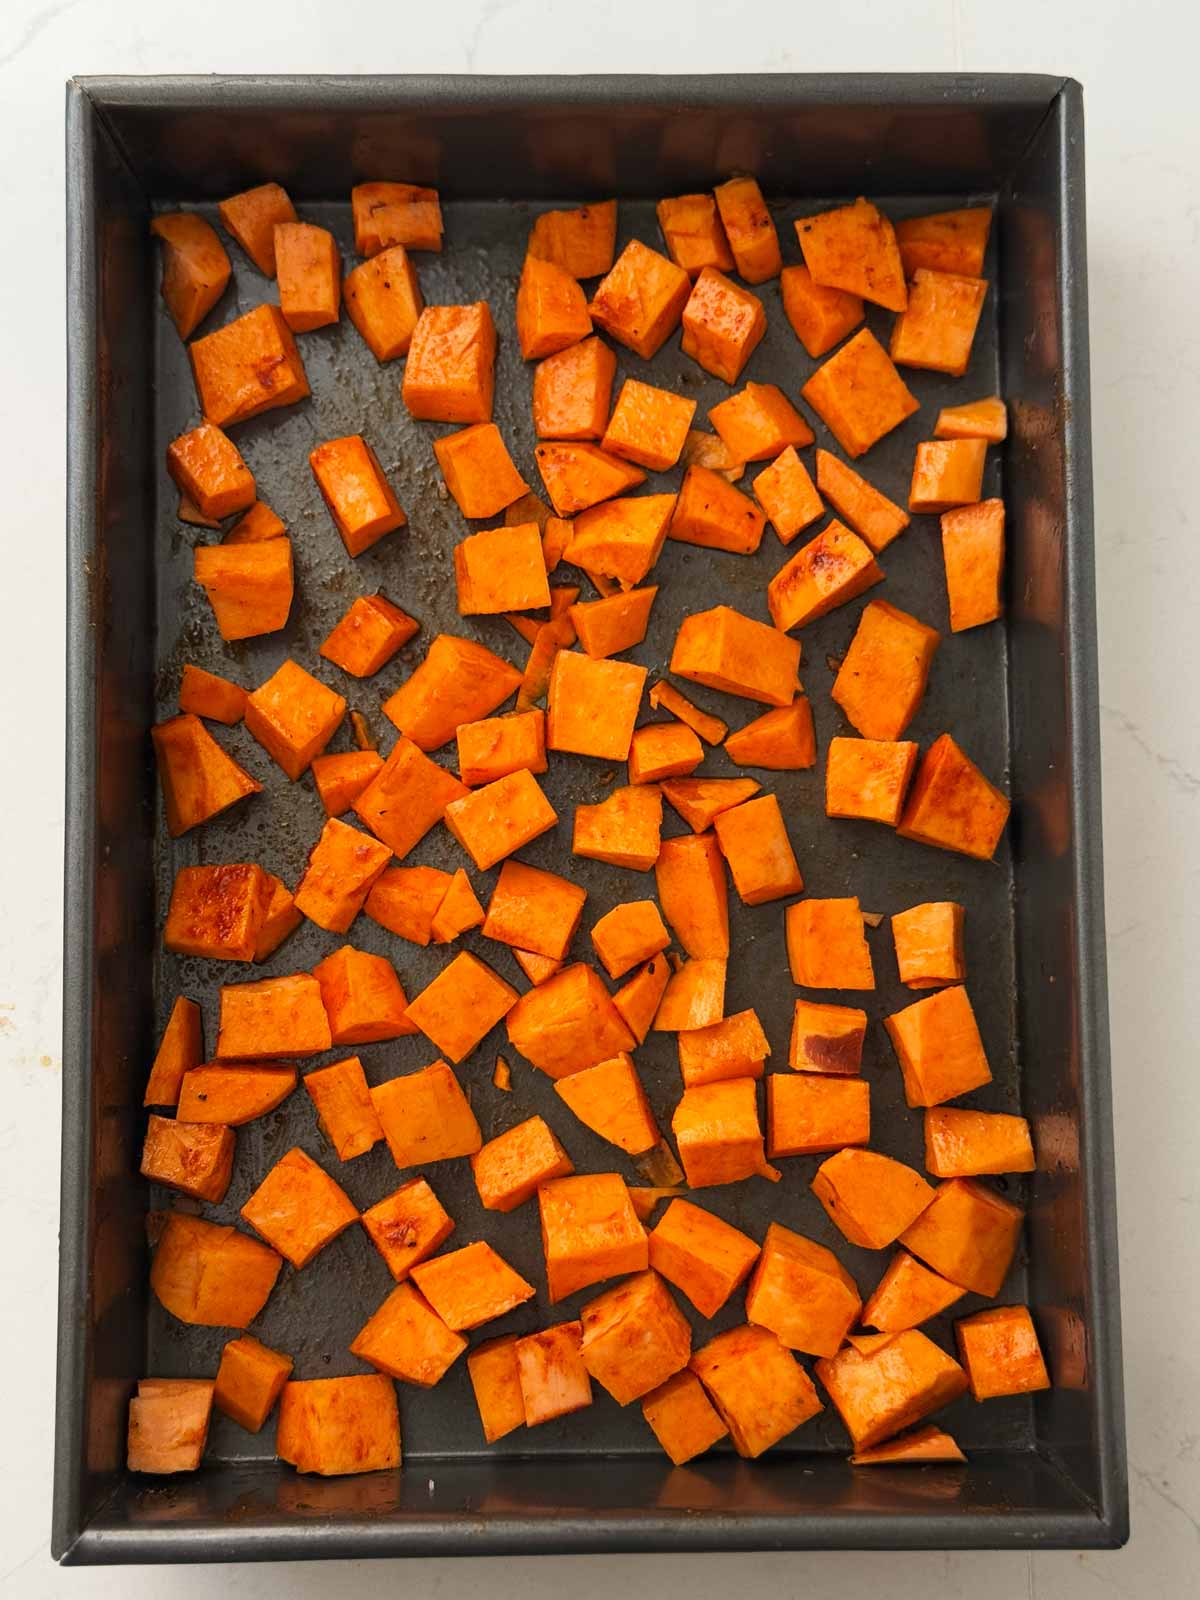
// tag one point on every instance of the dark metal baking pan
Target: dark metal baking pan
(1022, 699)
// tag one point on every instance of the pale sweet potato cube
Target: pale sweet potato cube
(550, 1370)
(929, 944)
(663, 750)
(947, 473)
(694, 996)
(974, 419)
(168, 1424)
(209, 1275)
(735, 1047)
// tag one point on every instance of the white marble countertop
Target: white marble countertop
(1137, 64)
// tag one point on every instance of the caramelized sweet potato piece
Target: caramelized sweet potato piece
(726, 650)
(637, 1002)
(384, 302)
(471, 1286)
(251, 218)
(387, 214)
(870, 1197)
(704, 1257)
(343, 1106)
(247, 367)
(828, 571)
(1001, 1353)
(906, 1295)
(827, 1038)
(534, 910)
(273, 1018)
(362, 997)
(881, 681)
(501, 569)
(168, 1424)
(194, 1158)
(589, 1232)
(896, 1384)
(964, 1144)
(480, 474)
(208, 468)
(827, 945)
(621, 539)
(723, 325)
(781, 740)
(309, 269)
(624, 830)
(552, 310)
(755, 844)
(609, 1099)
(509, 1169)
(628, 935)
(700, 800)
(259, 523)
(406, 1339)
(406, 797)
(462, 1004)
(717, 1130)
(968, 1233)
(180, 1049)
(426, 1117)
(217, 912)
(342, 866)
(206, 694)
(572, 390)
(920, 1445)
(973, 553)
(820, 316)
(335, 1426)
(759, 423)
(551, 1373)
(947, 473)
(759, 1388)
(868, 778)
(211, 1276)
(250, 1379)
(407, 1225)
(683, 1418)
(199, 779)
(490, 823)
(496, 1381)
(868, 512)
(801, 1292)
(233, 1095)
(854, 248)
(298, 1208)
(458, 681)
(859, 395)
(811, 1114)
(449, 375)
(341, 778)
(749, 229)
(946, 241)
(581, 242)
(929, 944)
(195, 268)
(974, 419)
(640, 301)
(249, 586)
(353, 486)
(293, 715)
(735, 1047)
(952, 805)
(568, 1023)
(648, 425)
(663, 750)
(693, 233)
(786, 493)
(694, 996)
(713, 514)
(690, 877)
(634, 1337)
(937, 328)
(579, 475)
(280, 919)
(404, 900)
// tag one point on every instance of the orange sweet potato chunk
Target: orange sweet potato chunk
(682, 1417)
(217, 912)
(753, 240)
(337, 1426)
(259, 523)
(929, 944)
(462, 1004)
(781, 740)
(581, 242)
(754, 841)
(550, 1370)
(735, 1047)
(854, 248)
(362, 997)
(881, 681)
(690, 877)
(952, 805)
(343, 1106)
(870, 1197)
(759, 423)
(973, 553)
(298, 1208)
(342, 866)
(628, 935)
(501, 569)
(593, 705)
(615, 623)
(868, 512)
(309, 269)
(718, 1134)
(787, 495)
(868, 778)
(802, 1293)
(407, 1225)
(663, 750)
(694, 996)
(251, 218)
(827, 945)
(208, 468)
(907, 1295)
(250, 1379)
(552, 309)
(534, 910)
(648, 426)
(458, 681)
(280, 919)
(199, 779)
(759, 1388)
(665, 696)
(694, 234)
(811, 1114)
(509, 1169)
(947, 473)
(700, 800)
(590, 1232)
(207, 694)
(537, 969)
(938, 1047)
(919, 1445)
(572, 390)
(194, 1158)
(896, 1384)
(640, 301)
(964, 1144)
(827, 1038)
(405, 900)
(195, 268)
(579, 475)
(726, 650)
(706, 1258)
(352, 484)
(449, 375)
(723, 325)
(293, 715)
(968, 1233)
(974, 419)
(272, 1019)
(937, 329)
(247, 367)
(820, 317)
(609, 1099)
(713, 514)
(830, 570)
(168, 1424)
(384, 302)
(368, 636)
(567, 1023)
(426, 1117)
(387, 214)
(406, 1339)
(491, 822)
(249, 586)
(1001, 1353)
(458, 912)
(496, 746)
(496, 1382)
(209, 1275)
(859, 395)
(232, 1095)
(946, 241)
(624, 830)
(621, 539)
(634, 1337)
(180, 1049)
(408, 796)
(471, 1286)
(480, 474)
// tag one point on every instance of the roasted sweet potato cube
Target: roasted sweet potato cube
(458, 681)
(344, 1108)
(726, 650)
(929, 944)
(551, 1373)
(781, 740)
(362, 996)
(407, 1225)
(755, 843)
(199, 779)
(621, 539)
(752, 238)
(342, 866)
(195, 268)
(534, 910)
(247, 367)
(703, 1256)
(250, 1379)
(900, 1381)
(759, 423)
(640, 301)
(568, 1023)
(868, 512)
(648, 425)
(251, 218)
(217, 911)
(426, 1116)
(811, 1114)
(572, 390)
(827, 945)
(180, 1049)
(578, 475)
(759, 1388)
(868, 778)
(449, 375)
(209, 1275)
(694, 234)
(462, 1004)
(906, 1295)
(634, 1337)
(272, 1019)
(405, 900)
(609, 1099)
(663, 750)
(352, 484)
(718, 1134)
(480, 475)
(820, 316)
(787, 495)
(501, 569)
(699, 800)
(831, 569)
(406, 1339)
(952, 805)
(249, 586)
(510, 1168)
(552, 310)
(683, 1418)
(336, 1426)
(859, 395)
(496, 746)
(281, 918)
(407, 796)
(690, 876)
(974, 419)
(882, 678)
(194, 1158)
(614, 623)
(963, 1144)
(723, 325)
(259, 523)
(735, 1047)
(309, 269)
(471, 1286)
(208, 468)
(168, 1424)
(947, 473)
(232, 1095)
(624, 830)
(368, 636)
(490, 823)
(298, 1208)
(946, 241)
(459, 911)
(496, 1381)
(854, 248)
(870, 1197)
(827, 1038)
(694, 996)
(968, 1233)
(593, 705)
(628, 935)
(580, 241)
(293, 715)
(207, 694)
(937, 329)
(387, 214)
(590, 1232)
(1001, 1353)
(802, 1293)
(713, 514)
(384, 302)
(973, 553)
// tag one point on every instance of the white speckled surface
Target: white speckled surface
(1137, 66)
